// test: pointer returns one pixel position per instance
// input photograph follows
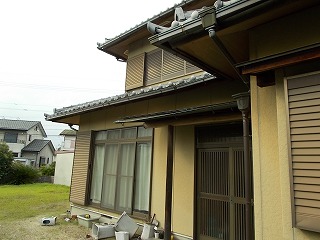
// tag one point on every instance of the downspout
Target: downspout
(243, 101)
(209, 23)
(169, 180)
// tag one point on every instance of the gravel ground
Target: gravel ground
(31, 229)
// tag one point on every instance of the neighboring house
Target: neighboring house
(69, 139)
(40, 152)
(64, 158)
(19, 133)
(175, 143)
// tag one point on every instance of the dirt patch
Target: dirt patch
(31, 229)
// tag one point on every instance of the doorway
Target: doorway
(220, 183)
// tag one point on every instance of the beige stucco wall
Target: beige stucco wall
(183, 183)
(159, 173)
(271, 168)
(272, 196)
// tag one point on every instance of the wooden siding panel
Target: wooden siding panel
(79, 180)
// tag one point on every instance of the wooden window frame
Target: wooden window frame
(119, 141)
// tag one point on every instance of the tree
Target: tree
(6, 159)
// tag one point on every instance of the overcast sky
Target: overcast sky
(49, 57)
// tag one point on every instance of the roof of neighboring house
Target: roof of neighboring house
(138, 94)
(37, 145)
(21, 125)
(68, 132)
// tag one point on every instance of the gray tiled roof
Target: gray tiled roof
(36, 145)
(17, 124)
(143, 24)
(68, 132)
(129, 96)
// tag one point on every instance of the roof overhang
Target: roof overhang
(71, 115)
(118, 45)
(180, 113)
(226, 40)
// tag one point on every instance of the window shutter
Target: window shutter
(79, 180)
(153, 66)
(135, 72)
(304, 116)
(173, 66)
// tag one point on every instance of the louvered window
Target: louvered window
(134, 74)
(173, 66)
(79, 180)
(155, 66)
(304, 117)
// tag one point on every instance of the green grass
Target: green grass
(30, 200)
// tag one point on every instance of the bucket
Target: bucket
(122, 235)
(147, 232)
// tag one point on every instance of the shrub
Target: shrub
(22, 174)
(6, 159)
(48, 170)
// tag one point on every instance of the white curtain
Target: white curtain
(110, 177)
(143, 171)
(97, 174)
(127, 155)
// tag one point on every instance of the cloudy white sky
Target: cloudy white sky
(48, 54)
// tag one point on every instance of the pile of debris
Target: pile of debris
(124, 228)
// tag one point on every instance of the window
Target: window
(11, 137)
(154, 67)
(304, 113)
(122, 170)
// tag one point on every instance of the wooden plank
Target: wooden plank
(303, 97)
(304, 159)
(306, 123)
(303, 144)
(305, 110)
(307, 89)
(307, 195)
(310, 166)
(306, 173)
(280, 62)
(304, 81)
(305, 103)
(307, 202)
(307, 210)
(306, 151)
(307, 180)
(303, 117)
(305, 130)
(306, 188)
(305, 137)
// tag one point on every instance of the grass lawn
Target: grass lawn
(30, 200)
(23, 206)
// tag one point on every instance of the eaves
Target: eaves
(135, 95)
